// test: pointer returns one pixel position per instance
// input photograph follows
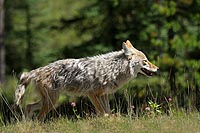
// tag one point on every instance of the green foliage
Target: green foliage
(154, 107)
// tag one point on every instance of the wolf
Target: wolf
(95, 77)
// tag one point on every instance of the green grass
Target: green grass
(178, 123)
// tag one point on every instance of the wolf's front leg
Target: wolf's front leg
(105, 102)
(99, 107)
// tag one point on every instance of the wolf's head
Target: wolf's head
(138, 61)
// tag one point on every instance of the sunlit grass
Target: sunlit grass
(180, 122)
(154, 119)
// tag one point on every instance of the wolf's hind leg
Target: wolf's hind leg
(48, 103)
(30, 108)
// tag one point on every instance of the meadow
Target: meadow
(180, 122)
(151, 117)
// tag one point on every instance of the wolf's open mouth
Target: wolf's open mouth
(147, 72)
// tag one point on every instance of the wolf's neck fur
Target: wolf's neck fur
(113, 54)
(117, 68)
(117, 62)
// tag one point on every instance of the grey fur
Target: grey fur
(108, 71)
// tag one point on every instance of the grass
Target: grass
(178, 123)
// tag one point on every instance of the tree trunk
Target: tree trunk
(2, 48)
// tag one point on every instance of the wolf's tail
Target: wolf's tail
(20, 90)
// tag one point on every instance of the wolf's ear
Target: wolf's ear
(128, 44)
(128, 49)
